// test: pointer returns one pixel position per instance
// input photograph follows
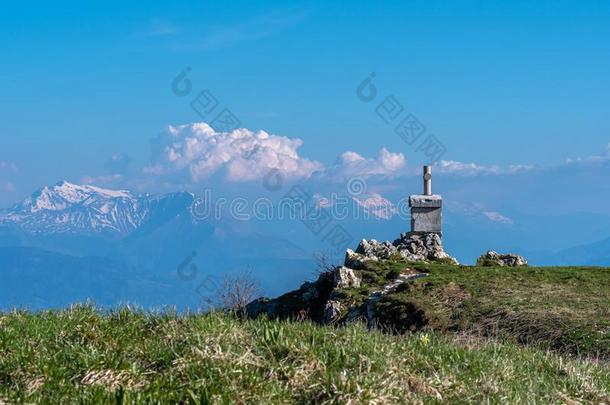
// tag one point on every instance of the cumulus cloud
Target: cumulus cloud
(197, 152)
(352, 164)
(187, 155)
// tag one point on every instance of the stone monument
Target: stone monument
(426, 208)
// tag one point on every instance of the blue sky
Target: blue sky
(499, 83)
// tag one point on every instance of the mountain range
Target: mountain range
(69, 242)
(127, 240)
(67, 208)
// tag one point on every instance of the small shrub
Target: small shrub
(393, 274)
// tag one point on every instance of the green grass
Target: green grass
(83, 356)
(566, 309)
(561, 308)
(468, 335)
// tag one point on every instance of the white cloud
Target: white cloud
(603, 157)
(497, 217)
(473, 169)
(475, 209)
(187, 155)
(351, 164)
(467, 169)
(196, 152)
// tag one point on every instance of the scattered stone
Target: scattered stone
(422, 247)
(345, 277)
(357, 261)
(332, 311)
(373, 249)
(492, 258)
(375, 297)
(322, 300)
(411, 247)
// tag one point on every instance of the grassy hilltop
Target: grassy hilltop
(566, 309)
(481, 334)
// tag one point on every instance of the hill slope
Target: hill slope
(560, 308)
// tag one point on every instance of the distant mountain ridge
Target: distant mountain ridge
(142, 239)
(592, 254)
(83, 209)
(68, 242)
(40, 279)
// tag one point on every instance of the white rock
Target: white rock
(508, 260)
(357, 261)
(345, 277)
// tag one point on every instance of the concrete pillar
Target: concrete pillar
(426, 208)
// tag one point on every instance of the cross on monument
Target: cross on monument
(427, 180)
(426, 208)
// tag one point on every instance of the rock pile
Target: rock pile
(491, 258)
(411, 247)
(321, 298)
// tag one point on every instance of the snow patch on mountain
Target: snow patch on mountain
(72, 208)
(377, 205)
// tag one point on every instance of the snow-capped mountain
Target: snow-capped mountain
(83, 209)
(67, 243)
(376, 206)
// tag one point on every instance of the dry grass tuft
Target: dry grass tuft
(113, 379)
